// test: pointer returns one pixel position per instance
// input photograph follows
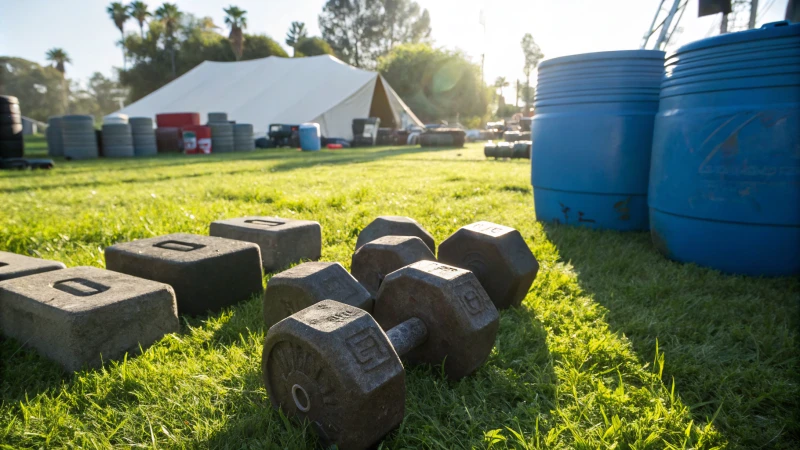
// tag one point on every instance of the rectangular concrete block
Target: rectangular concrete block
(84, 315)
(13, 265)
(282, 241)
(208, 273)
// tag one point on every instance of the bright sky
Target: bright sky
(28, 28)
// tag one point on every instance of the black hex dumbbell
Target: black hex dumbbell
(376, 259)
(498, 256)
(332, 363)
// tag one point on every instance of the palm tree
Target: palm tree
(297, 32)
(499, 84)
(119, 14)
(138, 10)
(170, 16)
(237, 21)
(59, 58)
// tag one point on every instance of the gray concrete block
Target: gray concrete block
(208, 273)
(310, 283)
(13, 265)
(84, 315)
(282, 241)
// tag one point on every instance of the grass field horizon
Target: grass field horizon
(613, 347)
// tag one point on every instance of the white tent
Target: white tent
(318, 89)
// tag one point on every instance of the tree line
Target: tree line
(390, 36)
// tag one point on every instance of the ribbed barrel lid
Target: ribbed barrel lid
(761, 58)
(622, 76)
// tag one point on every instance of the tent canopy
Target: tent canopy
(269, 90)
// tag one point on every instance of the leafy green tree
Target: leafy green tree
(404, 22)
(138, 10)
(170, 16)
(105, 93)
(361, 31)
(352, 28)
(260, 46)
(499, 84)
(312, 46)
(436, 84)
(527, 94)
(533, 55)
(236, 21)
(296, 33)
(41, 90)
(119, 14)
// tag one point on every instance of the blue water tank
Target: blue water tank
(592, 132)
(310, 137)
(725, 176)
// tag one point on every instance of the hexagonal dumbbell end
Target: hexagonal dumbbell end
(460, 318)
(333, 365)
(498, 256)
(376, 259)
(309, 283)
(395, 226)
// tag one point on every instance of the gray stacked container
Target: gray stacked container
(80, 141)
(117, 140)
(243, 137)
(55, 142)
(222, 140)
(214, 117)
(144, 136)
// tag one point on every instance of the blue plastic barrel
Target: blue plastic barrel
(310, 137)
(725, 177)
(592, 133)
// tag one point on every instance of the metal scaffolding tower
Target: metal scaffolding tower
(666, 27)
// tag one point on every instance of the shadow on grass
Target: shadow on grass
(730, 342)
(289, 161)
(25, 373)
(437, 409)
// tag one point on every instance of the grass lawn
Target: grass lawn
(614, 346)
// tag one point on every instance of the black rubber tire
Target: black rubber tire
(12, 149)
(9, 119)
(10, 131)
(9, 109)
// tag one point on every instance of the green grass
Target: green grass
(614, 346)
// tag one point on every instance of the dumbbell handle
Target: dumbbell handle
(407, 335)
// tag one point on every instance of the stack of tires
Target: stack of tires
(512, 136)
(11, 143)
(80, 140)
(216, 117)
(443, 137)
(144, 136)
(222, 140)
(55, 142)
(243, 137)
(117, 140)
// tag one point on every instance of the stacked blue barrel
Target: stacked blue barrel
(725, 177)
(592, 136)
